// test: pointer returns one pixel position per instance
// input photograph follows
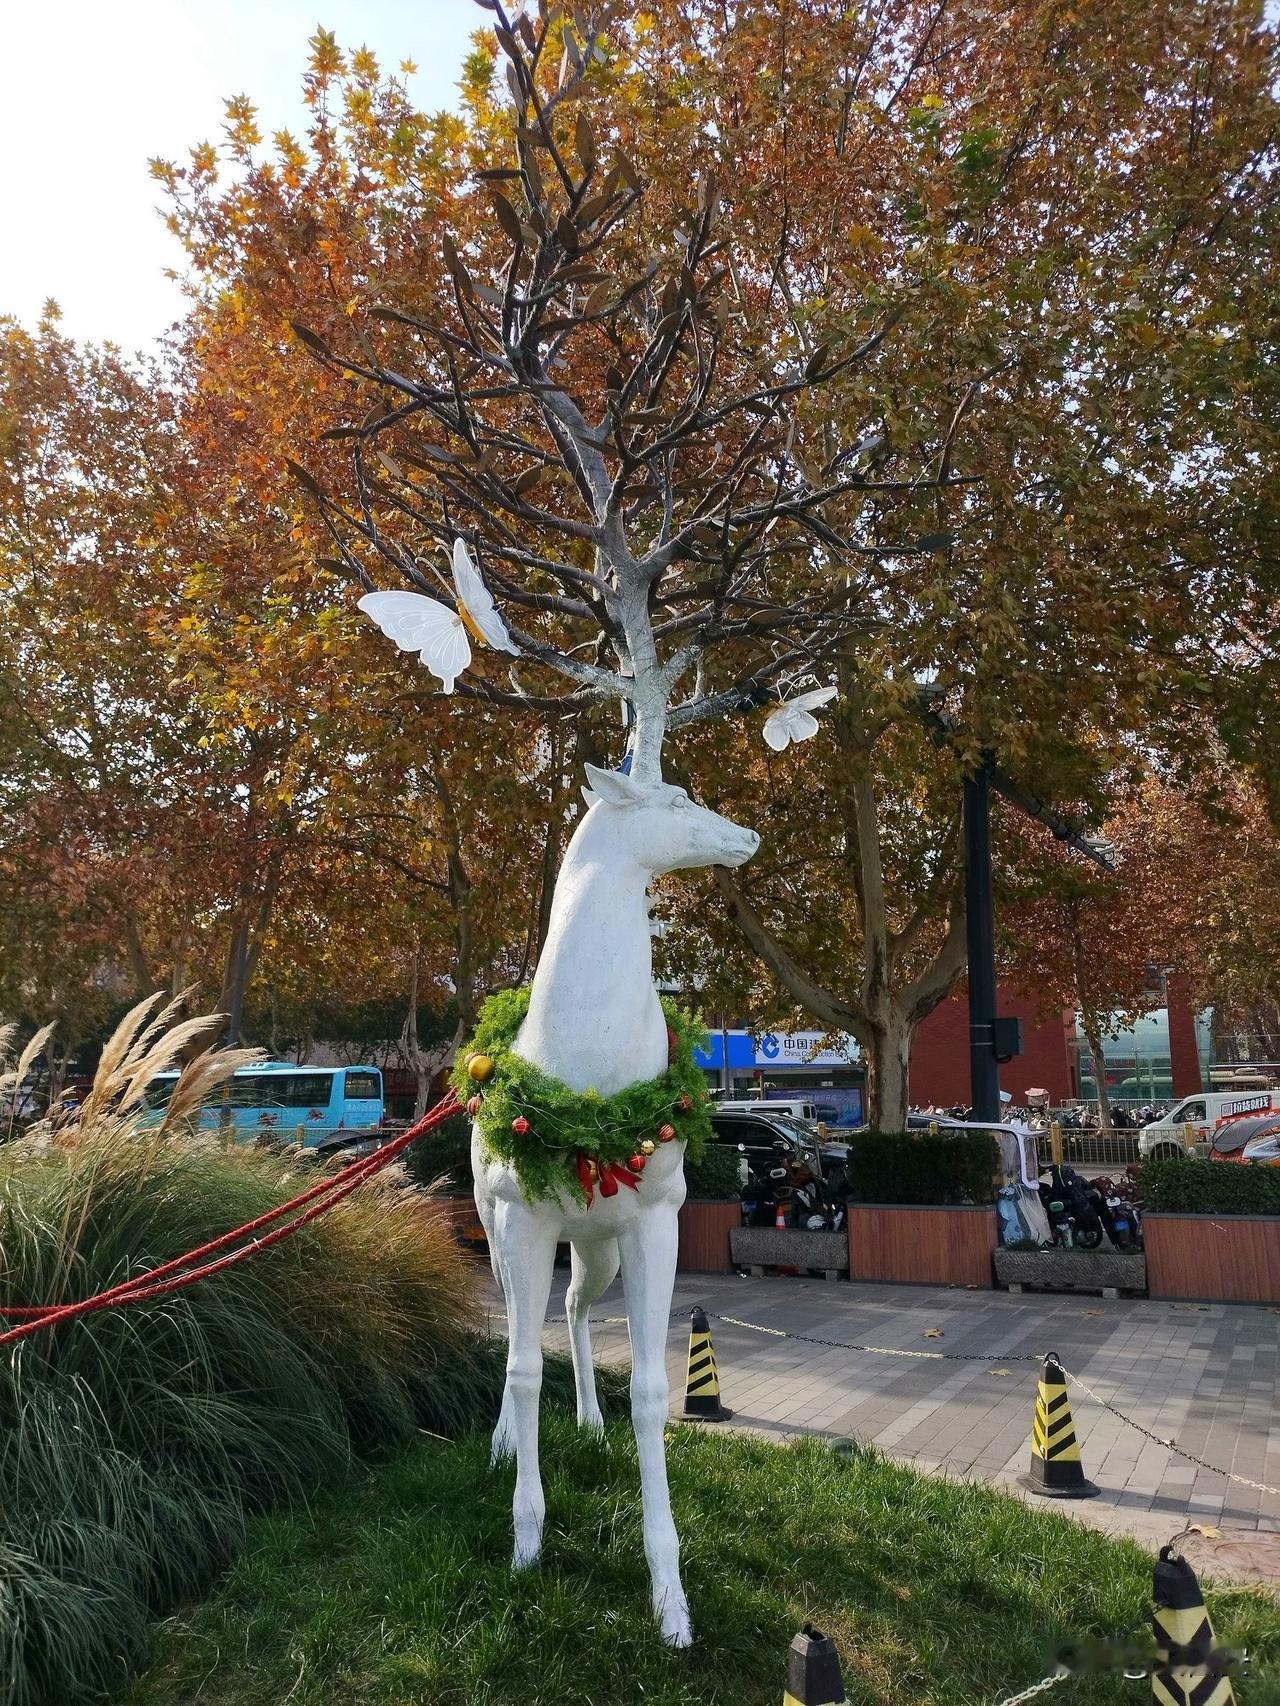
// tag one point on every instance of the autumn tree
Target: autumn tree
(1109, 584)
(1193, 893)
(1040, 361)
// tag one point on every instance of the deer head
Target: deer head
(661, 828)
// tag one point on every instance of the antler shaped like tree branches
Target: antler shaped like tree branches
(614, 439)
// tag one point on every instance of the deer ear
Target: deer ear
(612, 787)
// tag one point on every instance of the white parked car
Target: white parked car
(1167, 1135)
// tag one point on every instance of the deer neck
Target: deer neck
(594, 1017)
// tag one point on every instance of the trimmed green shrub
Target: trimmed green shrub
(1185, 1186)
(716, 1177)
(442, 1157)
(922, 1167)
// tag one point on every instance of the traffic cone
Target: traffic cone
(702, 1383)
(813, 1671)
(1056, 1470)
(1184, 1673)
(779, 1218)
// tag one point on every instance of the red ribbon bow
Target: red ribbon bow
(608, 1177)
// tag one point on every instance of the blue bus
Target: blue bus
(310, 1105)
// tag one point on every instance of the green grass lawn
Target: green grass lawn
(395, 1589)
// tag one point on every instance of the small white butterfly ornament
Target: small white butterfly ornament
(795, 720)
(439, 635)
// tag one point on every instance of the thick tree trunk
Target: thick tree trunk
(412, 1050)
(1090, 1019)
(886, 1053)
(1093, 1034)
(244, 950)
(424, 1063)
(139, 966)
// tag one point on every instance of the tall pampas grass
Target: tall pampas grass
(138, 1441)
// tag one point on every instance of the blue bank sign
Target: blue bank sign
(774, 1050)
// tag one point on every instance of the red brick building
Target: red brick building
(940, 1057)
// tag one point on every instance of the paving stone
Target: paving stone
(1207, 1379)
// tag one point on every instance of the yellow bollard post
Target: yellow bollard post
(702, 1382)
(813, 1671)
(1184, 1673)
(1055, 1142)
(1056, 1471)
(1188, 1136)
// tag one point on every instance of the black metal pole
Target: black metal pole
(984, 1070)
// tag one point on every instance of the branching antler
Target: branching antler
(618, 453)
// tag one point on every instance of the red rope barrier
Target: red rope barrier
(153, 1283)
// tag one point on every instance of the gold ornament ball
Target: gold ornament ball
(666, 1133)
(480, 1068)
(648, 1146)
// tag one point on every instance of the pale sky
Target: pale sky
(91, 89)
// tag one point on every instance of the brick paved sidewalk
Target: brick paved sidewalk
(1203, 1375)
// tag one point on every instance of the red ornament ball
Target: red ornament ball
(666, 1133)
(685, 1101)
(636, 1163)
(519, 1125)
(473, 1106)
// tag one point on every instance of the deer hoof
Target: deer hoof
(528, 1547)
(673, 1621)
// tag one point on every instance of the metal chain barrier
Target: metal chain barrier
(1168, 1444)
(884, 1350)
(1042, 1687)
(1020, 1356)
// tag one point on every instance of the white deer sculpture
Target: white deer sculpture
(595, 1019)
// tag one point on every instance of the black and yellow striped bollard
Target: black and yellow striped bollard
(813, 1671)
(702, 1383)
(1188, 1670)
(1056, 1471)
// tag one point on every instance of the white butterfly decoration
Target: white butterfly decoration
(439, 635)
(794, 720)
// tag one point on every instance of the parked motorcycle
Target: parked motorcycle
(1078, 1213)
(1121, 1198)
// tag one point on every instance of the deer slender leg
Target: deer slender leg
(526, 1250)
(648, 1271)
(593, 1269)
(504, 1439)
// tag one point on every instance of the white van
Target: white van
(796, 1109)
(1167, 1135)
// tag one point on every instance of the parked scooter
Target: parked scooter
(1078, 1213)
(815, 1207)
(1120, 1196)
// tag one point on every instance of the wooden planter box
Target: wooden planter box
(1232, 1258)
(705, 1229)
(1072, 1270)
(761, 1247)
(912, 1245)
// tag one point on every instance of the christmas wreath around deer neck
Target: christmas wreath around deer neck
(556, 1139)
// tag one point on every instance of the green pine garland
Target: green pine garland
(565, 1122)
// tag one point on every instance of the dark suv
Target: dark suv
(767, 1141)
